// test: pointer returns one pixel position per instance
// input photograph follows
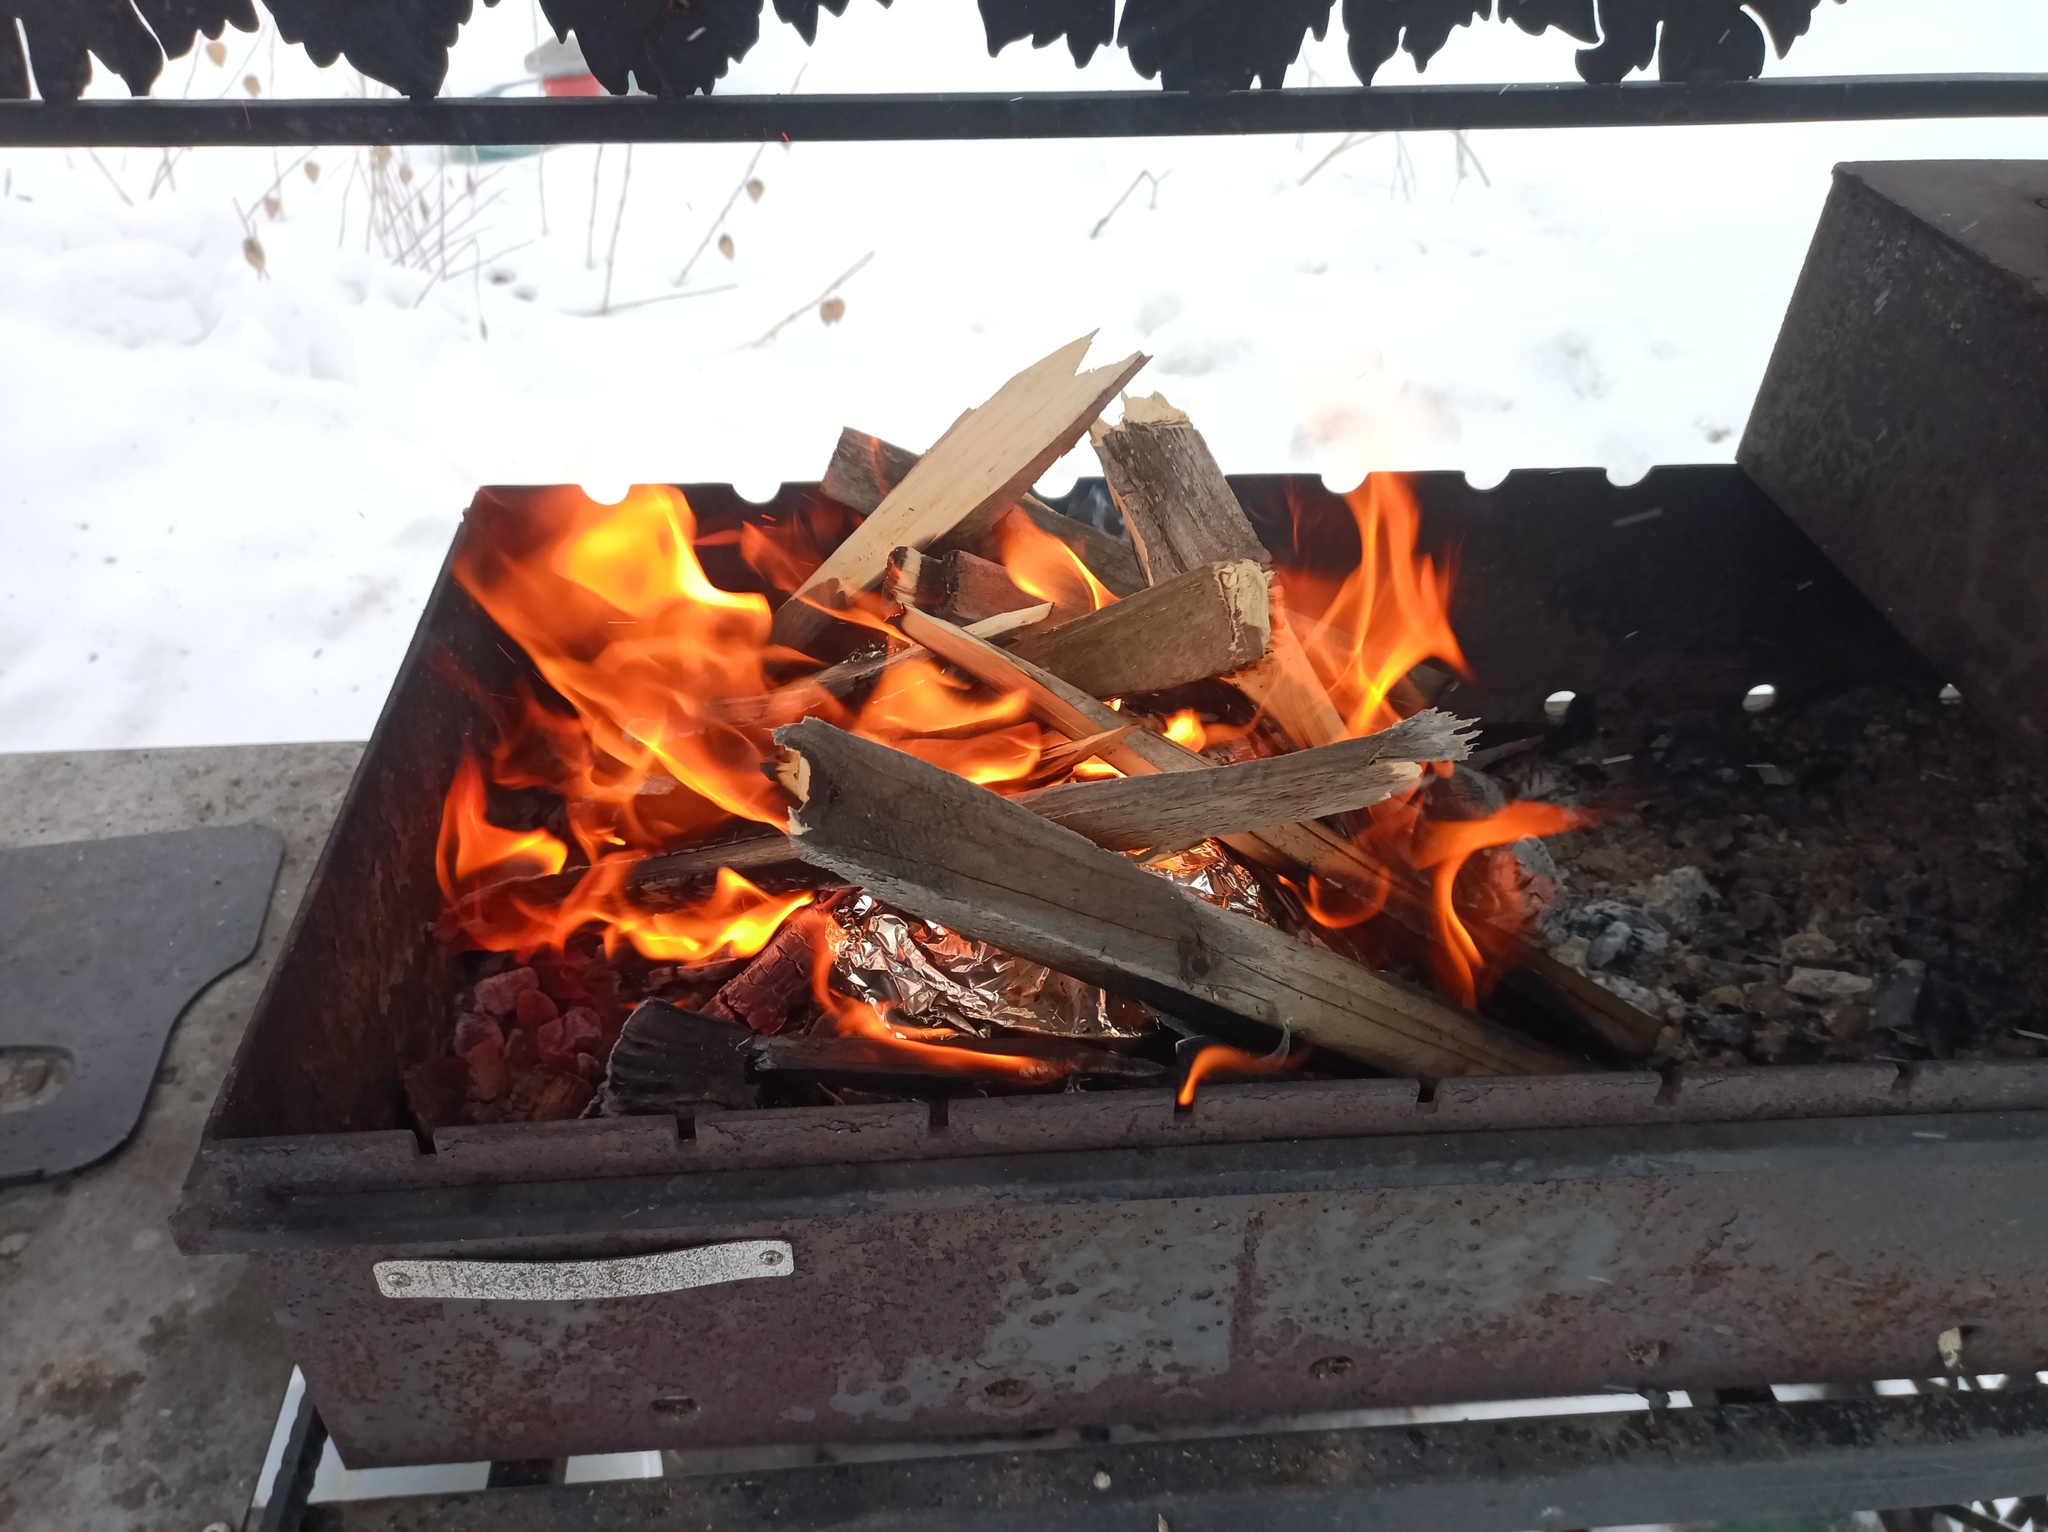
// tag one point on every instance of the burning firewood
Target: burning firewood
(865, 468)
(1211, 620)
(979, 864)
(1182, 513)
(1305, 845)
(1131, 813)
(960, 586)
(844, 680)
(765, 993)
(988, 457)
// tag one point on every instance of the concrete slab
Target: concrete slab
(138, 1388)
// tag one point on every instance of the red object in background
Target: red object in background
(570, 85)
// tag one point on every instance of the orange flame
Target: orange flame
(1446, 845)
(1383, 619)
(1185, 728)
(1218, 1059)
(849, 1017)
(1041, 565)
(613, 607)
(472, 850)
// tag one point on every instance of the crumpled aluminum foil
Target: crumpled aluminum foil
(1207, 873)
(929, 974)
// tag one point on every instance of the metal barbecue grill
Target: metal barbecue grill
(1070, 1263)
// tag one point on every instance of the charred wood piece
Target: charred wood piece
(673, 1062)
(964, 1058)
(772, 988)
(976, 863)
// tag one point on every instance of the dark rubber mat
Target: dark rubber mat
(102, 945)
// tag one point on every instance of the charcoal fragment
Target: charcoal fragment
(499, 994)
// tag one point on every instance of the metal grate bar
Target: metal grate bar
(1047, 114)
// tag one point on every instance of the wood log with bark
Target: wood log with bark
(1181, 513)
(974, 862)
(959, 586)
(865, 468)
(990, 456)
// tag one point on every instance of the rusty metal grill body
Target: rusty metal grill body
(1031, 1262)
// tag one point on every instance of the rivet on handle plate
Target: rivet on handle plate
(633, 1276)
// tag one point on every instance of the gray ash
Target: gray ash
(1862, 877)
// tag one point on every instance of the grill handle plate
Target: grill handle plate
(635, 1276)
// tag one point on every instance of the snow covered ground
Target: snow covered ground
(224, 493)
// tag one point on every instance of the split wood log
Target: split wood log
(1132, 813)
(1211, 620)
(1182, 513)
(959, 586)
(865, 468)
(989, 457)
(1308, 845)
(979, 864)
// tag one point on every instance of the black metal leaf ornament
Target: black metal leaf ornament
(1376, 29)
(1085, 24)
(1628, 41)
(1218, 44)
(1575, 18)
(403, 43)
(13, 62)
(62, 34)
(666, 47)
(1710, 42)
(178, 23)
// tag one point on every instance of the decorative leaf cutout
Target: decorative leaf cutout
(1218, 44)
(1574, 18)
(61, 34)
(668, 47)
(1628, 40)
(1710, 42)
(13, 62)
(403, 43)
(1787, 19)
(178, 23)
(1086, 24)
(803, 14)
(1375, 29)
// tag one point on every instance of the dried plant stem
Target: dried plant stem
(126, 201)
(1143, 175)
(590, 233)
(1348, 141)
(611, 254)
(718, 223)
(795, 314)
